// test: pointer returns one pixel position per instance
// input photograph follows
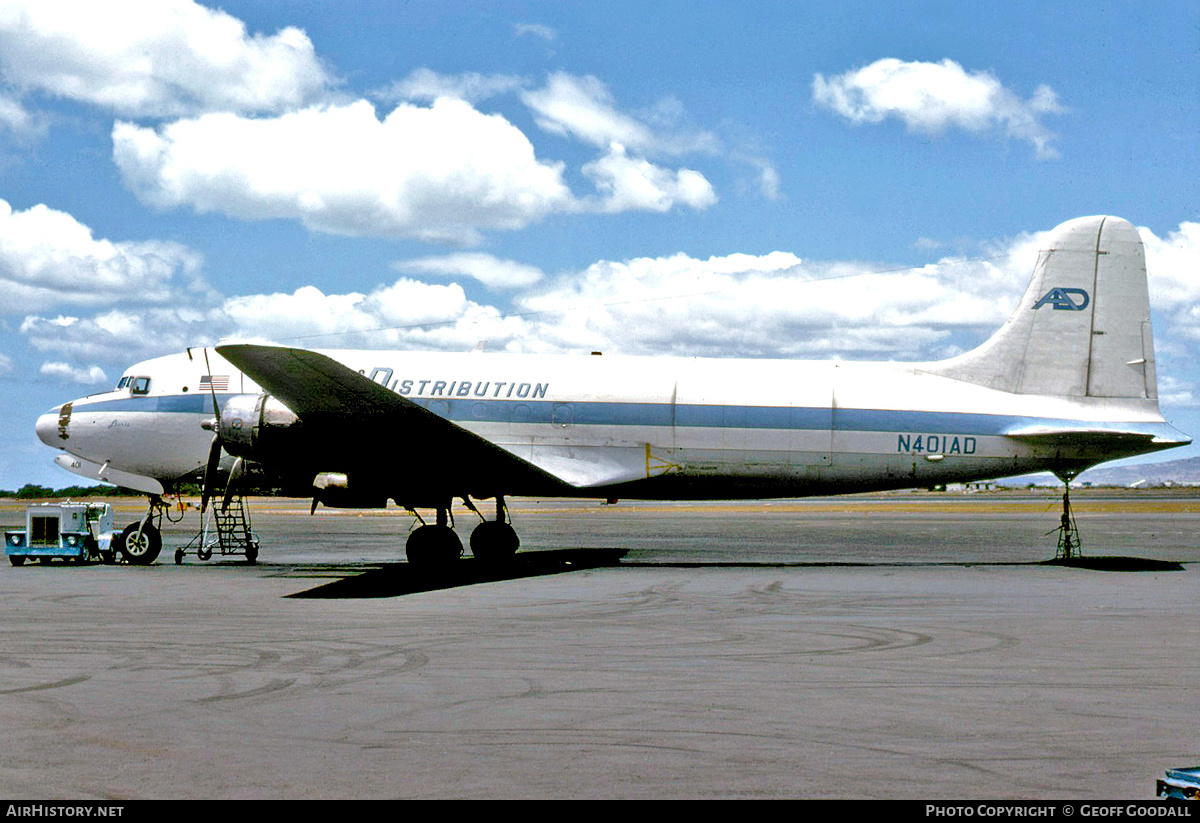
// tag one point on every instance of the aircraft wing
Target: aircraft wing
(348, 416)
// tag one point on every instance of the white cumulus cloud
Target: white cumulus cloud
(426, 85)
(535, 29)
(88, 376)
(583, 107)
(118, 337)
(934, 97)
(49, 258)
(1173, 264)
(631, 183)
(486, 268)
(155, 57)
(407, 314)
(442, 173)
(769, 305)
(16, 119)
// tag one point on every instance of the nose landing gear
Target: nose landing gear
(141, 541)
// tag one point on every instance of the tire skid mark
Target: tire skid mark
(58, 684)
(999, 642)
(843, 640)
(875, 639)
(230, 670)
(305, 669)
(269, 688)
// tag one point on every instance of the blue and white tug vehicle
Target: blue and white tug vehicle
(75, 532)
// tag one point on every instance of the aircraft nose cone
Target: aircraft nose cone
(47, 429)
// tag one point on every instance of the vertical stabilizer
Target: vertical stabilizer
(1083, 327)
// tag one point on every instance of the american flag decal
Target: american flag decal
(214, 382)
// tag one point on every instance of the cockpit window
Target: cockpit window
(124, 381)
(139, 385)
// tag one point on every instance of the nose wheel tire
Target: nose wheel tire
(140, 544)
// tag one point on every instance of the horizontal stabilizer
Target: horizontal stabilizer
(1084, 436)
(1080, 436)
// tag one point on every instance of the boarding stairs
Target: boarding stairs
(225, 531)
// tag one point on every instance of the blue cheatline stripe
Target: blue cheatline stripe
(605, 413)
(180, 403)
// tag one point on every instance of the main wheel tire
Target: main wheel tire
(140, 549)
(494, 541)
(433, 547)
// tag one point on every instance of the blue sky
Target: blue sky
(638, 178)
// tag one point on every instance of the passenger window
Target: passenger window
(141, 385)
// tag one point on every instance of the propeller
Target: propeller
(211, 467)
(235, 473)
(214, 449)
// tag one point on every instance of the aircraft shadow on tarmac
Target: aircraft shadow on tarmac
(397, 579)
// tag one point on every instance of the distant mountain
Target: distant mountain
(1185, 471)
(1169, 473)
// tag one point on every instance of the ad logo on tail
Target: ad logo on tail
(1062, 300)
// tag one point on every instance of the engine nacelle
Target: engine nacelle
(257, 426)
(333, 489)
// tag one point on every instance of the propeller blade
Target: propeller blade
(212, 392)
(313, 510)
(214, 449)
(210, 472)
(235, 473)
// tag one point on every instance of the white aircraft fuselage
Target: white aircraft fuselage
(1067, 383)
(657, 427)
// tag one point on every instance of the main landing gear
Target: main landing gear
(434, 545)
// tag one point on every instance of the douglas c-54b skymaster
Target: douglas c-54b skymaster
(1066, 383)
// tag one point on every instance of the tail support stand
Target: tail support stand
(1069, 544)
